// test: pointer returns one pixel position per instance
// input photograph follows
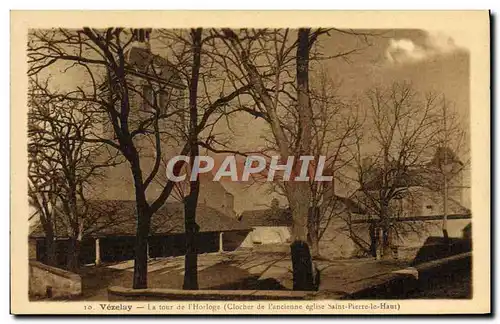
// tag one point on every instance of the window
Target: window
(154, 99)
(148, 98)
(163, 101)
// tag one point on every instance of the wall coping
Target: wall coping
(209, 294)
(436, 263)
(56, 271)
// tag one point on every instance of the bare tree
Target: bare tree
(275, 62)
(336, 122)
(112, 89)
(401, 130)
(191, 201)
(267, 95)
(43, 186)
(445, 170)
(208, 106)
(62, 165)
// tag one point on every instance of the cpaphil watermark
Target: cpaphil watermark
(302, 168)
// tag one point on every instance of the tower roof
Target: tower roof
(444, 155)
(142, 62)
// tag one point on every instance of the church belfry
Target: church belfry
(142, 35)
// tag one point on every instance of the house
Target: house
(111, 235)
(418, 211)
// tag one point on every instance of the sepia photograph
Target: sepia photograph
(252, 169)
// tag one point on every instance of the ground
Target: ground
(238, 270)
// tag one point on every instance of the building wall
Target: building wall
(336, 242)
(118, 183)
(424, 202)
(46, 282)
(262, 235)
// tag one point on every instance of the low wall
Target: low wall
(399, 284)
(49, 282)
(121, 293)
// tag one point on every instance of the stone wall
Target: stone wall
(336, 241)
(32, 245)
(50, 282)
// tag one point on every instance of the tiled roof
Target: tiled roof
(283, 216)
(118, 218)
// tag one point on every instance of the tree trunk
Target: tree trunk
(144, 215)
(313, 231)
(50, 244)
(445, 178)
(385, 223)
(373, 239)
(301, 257)
(73, 261)
(299, 192)
(386, 243)
(141, 247)
(191, 201)
(191, 258)
(302, 265)
(445, 208)
(50, 250)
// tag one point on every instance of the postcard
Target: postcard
(250, 162)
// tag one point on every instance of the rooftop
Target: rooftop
(118, 218)
(283, 216)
